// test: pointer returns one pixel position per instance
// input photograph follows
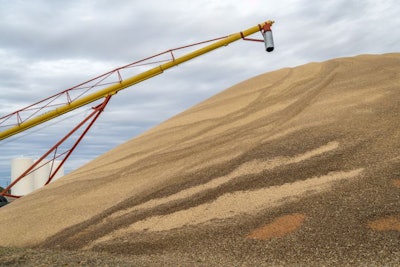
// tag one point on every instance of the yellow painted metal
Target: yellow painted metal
(113, 89)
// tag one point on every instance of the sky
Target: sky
(49, 46)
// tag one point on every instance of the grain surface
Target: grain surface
(294, 167)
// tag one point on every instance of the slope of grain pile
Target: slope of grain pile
(297, 165)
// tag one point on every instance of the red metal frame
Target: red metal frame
(65, 97)
(94, 116)
(251, 39)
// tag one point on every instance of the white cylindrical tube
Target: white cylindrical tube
(269, 41)
(25, 185)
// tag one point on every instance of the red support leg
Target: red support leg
(95, 114)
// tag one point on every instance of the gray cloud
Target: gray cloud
(48, 46)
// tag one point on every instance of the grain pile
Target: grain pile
(296, 166)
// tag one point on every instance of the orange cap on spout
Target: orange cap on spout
(267, 26)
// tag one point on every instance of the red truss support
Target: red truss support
(97, 110)
(251, 39)
(71, 94)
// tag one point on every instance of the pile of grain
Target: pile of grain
(295, 166)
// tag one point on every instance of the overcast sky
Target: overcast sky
(49, 46)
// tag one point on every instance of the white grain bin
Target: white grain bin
(41, 175)
(25, 185)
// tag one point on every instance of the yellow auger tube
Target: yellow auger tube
(127, 82)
